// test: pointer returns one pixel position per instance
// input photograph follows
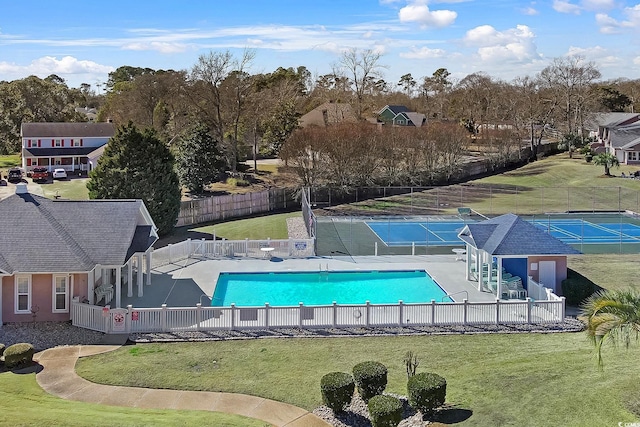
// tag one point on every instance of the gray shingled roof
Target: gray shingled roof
(624, 135)
(59, 152)
(510, 235)
(609, 119)
(397, 109)
(67, 130)
(43, 235)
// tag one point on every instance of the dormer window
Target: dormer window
(58, 143)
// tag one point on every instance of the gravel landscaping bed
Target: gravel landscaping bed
(357, 414)
(569, 325)
(296, 228)
(44, 335)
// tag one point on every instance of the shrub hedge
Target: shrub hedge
(17, 355)
(337, 390)
(576, 288)
(427, 391)
(385, 411)
(370, 378)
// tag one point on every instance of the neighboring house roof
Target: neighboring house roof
(610, 120)
(413, 119)
(621, 136)
(58, 152)
(632, 145)
(510, 235)
(67, 130)
(395, 109)
(47, 236)
(329, 113)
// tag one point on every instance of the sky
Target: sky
(82, 41)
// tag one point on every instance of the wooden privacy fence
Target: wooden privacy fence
(234, 206)
(199, 318)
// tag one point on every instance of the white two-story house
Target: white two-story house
(74, 147)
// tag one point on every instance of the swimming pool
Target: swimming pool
(323, 288)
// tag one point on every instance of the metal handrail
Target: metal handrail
(455, 293)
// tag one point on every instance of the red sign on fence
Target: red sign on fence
(135, 315)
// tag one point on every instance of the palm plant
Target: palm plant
(612, 316)
(607, 160)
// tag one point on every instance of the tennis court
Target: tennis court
(445, 233)
(589, 233)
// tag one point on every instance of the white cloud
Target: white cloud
(513, 44)
(419, 12)
(162, 47)
(598, 4)
(636, 60)
(564, 6)
(530, 11)
(73, 70)
(609, 25)
(423, 53)
(48, 65)
(601, 56)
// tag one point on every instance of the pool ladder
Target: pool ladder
(321, 270)
(455, 293)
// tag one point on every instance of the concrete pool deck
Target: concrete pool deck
(187, 282)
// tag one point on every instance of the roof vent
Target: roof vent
(21, 188)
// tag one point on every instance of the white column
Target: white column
(129, 281)
(467, 270)
(1, 302)
(479, 262)
(139, 279)
(118, 287)
(148, 266)
(91, 285)
(500, 275)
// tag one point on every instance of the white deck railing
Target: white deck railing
(289, 248)
(199, 318)
(539, 292)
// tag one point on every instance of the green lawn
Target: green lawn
(24, 403)
(9, 160)
(263, 227)
(541, 187)
(72, 189)
(503, 379)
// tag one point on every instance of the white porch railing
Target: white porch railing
(199, 318)
(539, 292)
(289, 248)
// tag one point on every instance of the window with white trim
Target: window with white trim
(632, 155)
(60, 294)
(75, 142)
(23, 294)
(58, 143)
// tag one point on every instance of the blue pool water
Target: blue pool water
(322, 288)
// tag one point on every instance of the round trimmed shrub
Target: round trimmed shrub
(370, 378)
(337, 390)
(427, 391)
(17, 355)
(385, 411)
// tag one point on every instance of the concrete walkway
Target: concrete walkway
(58, 377)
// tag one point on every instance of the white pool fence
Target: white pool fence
(199, 318)
(285, 248)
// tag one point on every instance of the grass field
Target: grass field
(493, 379)
(72, 189)
(9, 160)
(263, 227)
(24, 403)
(553, 184)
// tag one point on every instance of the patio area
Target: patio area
(191, 281)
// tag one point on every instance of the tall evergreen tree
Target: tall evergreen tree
(199, 161)
(137, 165)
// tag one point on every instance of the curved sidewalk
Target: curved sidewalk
(58, 377)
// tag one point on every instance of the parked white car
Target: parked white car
(59, 174)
